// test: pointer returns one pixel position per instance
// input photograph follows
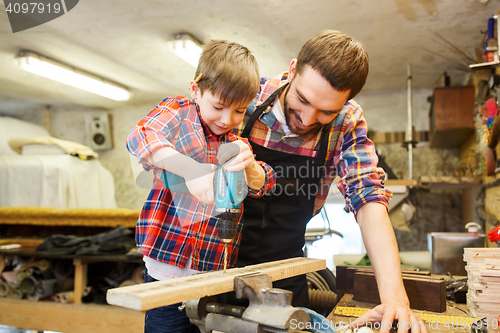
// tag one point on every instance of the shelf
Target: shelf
(77, 217)
(448, 182)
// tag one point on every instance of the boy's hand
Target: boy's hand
(201, 182)
(243, 156)
(243, 159)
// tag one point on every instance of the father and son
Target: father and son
(302, 119)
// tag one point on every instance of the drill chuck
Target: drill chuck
(227, 223)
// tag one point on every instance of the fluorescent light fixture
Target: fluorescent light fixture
(186, 47)
(40, 65)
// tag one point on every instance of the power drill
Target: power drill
(229, 193)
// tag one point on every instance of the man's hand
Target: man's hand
(201, 182)
(386, 314)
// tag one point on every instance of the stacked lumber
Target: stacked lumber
(483, 279)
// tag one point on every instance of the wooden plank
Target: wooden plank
(424, 293)
(75, 318)
(81, 269)
(151, 295)
(404, 182)
(345, 275)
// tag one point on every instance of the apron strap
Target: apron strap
(324, 142)
(258, 111)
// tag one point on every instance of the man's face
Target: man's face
(311, 102)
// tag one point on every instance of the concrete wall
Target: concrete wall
(384, 112)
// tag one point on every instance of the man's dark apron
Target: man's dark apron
(274, 225)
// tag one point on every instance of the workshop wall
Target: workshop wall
(384, 112)
(388, 111)
(69, 124)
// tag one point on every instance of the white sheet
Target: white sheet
(58, 181)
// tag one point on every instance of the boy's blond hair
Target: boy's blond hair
(228, 69)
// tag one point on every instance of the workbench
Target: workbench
(453, 310)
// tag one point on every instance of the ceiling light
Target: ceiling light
(186, 47)
(40, 65)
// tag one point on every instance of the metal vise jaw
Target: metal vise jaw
(269, 309)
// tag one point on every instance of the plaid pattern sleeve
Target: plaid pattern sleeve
(269, 181)
(357, 164)
(154, 130)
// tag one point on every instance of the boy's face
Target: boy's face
(219, 118)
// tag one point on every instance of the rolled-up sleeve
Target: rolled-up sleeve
(154, 130)
(360, 182)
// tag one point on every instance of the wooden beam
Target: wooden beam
(85, 217)
(81, 269)
(151, 295)
(345, 275)
(424, 293)
(399, 182)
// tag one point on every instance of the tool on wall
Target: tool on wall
(229, 188)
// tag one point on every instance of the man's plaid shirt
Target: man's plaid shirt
(351, 155)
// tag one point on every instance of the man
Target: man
(307, 127)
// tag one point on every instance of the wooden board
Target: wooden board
(151, 295)
(345, 275)
(424, 293)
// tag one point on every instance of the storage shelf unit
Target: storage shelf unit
(451, 116)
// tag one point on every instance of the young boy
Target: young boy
(176, 232)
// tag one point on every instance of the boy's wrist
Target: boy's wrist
(255, 176)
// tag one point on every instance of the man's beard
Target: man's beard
(291, 113)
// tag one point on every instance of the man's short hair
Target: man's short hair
(339, 58)
(230, 69)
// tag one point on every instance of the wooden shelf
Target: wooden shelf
(75, 317)
(436, 182)
(448, 182)
(79, 217)
(451, 116)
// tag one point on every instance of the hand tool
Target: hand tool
(229, 188)
(269, 309)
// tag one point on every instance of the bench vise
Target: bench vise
(269, 309)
